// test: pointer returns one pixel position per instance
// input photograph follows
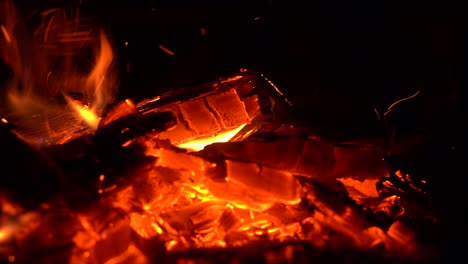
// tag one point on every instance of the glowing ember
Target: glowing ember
(199, 144)
(150, 193)
(218, 166)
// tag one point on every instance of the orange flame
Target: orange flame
(84, 113)
(96, 81)
(53, 60)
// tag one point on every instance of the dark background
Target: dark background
(338, 61)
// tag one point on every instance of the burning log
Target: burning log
(221, 168)
(309, 157)
(207, 115)
(131, 192)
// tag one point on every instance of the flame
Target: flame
(179, 201)
(84, 113)
(53, 60)
(199, 144)
(97, 79)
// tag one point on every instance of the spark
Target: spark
(272, 84)
(276, 88)
(390, 108)
(5, 34)
(126, 43)
(377, 113)
(203, 31)
(168, 51)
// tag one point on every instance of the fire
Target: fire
(48, 63)
(171, 174)
(84, 113)
(151, 194)
(199, 144)
(96, 81)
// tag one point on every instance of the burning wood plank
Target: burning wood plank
(208, 115)
(128, 185)
(123, 186)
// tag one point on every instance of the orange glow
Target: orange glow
(5, 34)
(157, 228)
(177, 196)
(199, 144)
(6, 231)
(48, 64)
(97, 80)
(166, 50)
(84, 113)
(171, 244)
(365, 188)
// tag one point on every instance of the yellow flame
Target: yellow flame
(84, 113)
(199, 144)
